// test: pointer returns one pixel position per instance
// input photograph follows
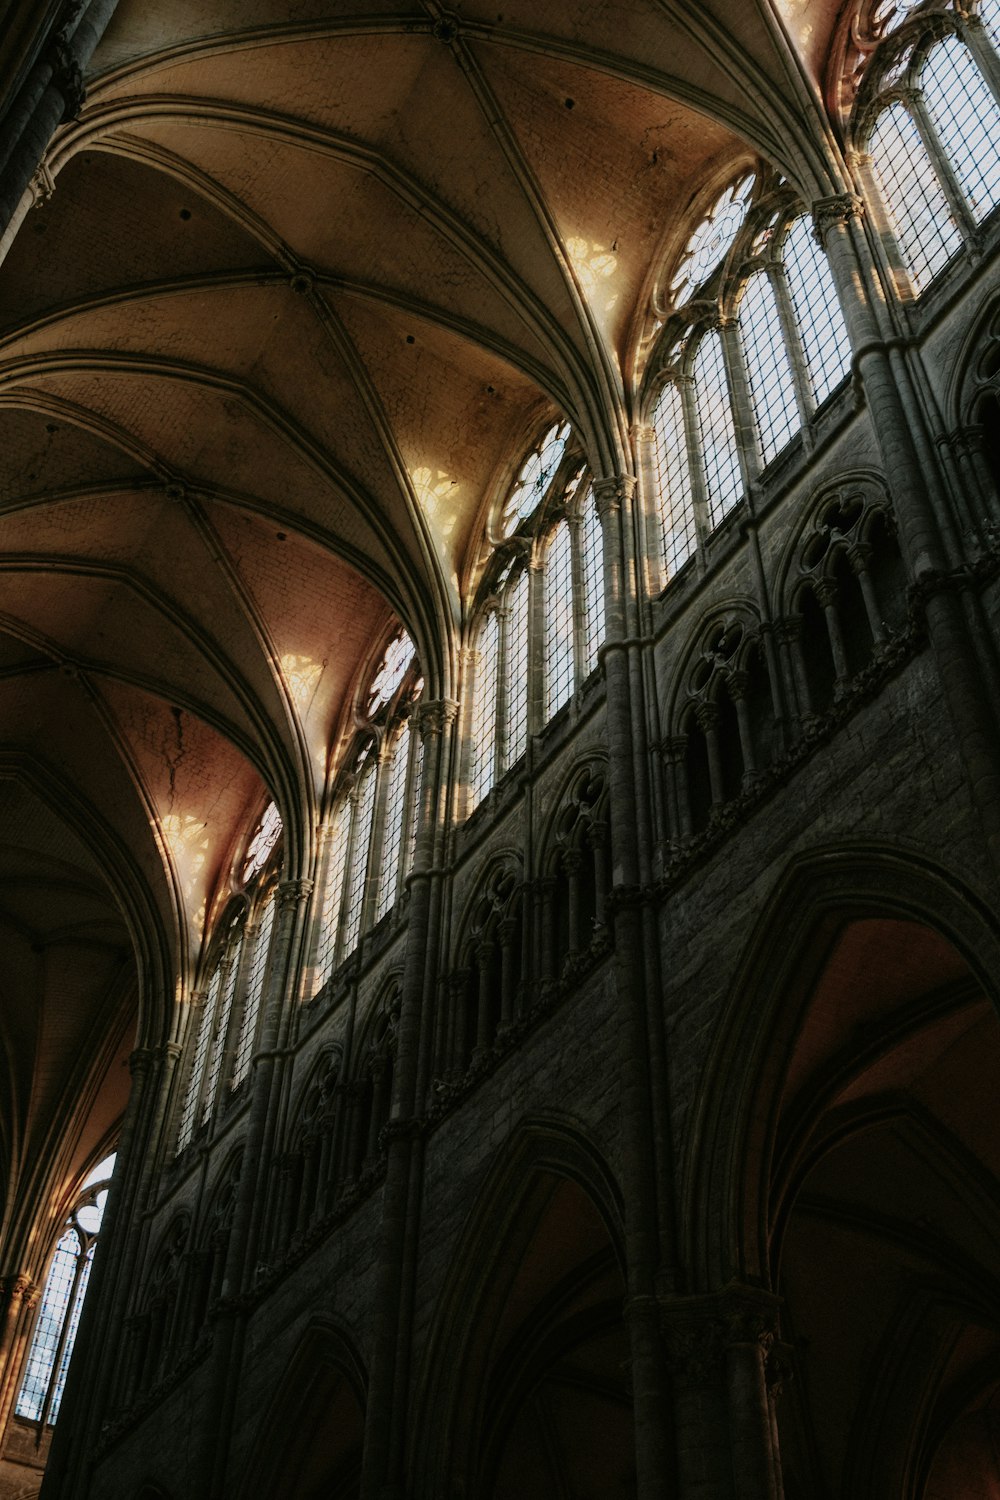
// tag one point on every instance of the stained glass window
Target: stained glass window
(965, 115)
(517, 669)
(336, 870)
(360, 845)
(559, 619)
(595, 625)
(484, 710)
(723, 480)
(263, 841)
(818, 316)
(711, 241)
(927, 233)
(772, 389)
(535, 476)
(199, 1060)
(673, 478)
(392, 828)
(61, 1302)
(255, 990)
(221, 1033)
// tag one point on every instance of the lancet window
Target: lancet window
(928, 117)
(222, 1042)
(540, 618)
(368, 848)
(754, 343)
(62, 1301)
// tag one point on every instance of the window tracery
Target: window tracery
(62, 1300)
(745, 359)
(237, 977)
(928, 115)
(541, 616)
(372, 825)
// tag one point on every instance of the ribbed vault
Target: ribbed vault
(303, 289)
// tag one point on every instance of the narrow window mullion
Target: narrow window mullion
(794, 348)
(748, 447)
(958, 203)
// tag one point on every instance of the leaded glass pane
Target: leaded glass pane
(818, 316)
(595, 624)
(398, 655)
(392, 836)
(336, 869)
(772, 388)
(414, 811)
(51, 1315)
(559, 620)
(263, 841)
(222, 1027)
(673, 479)
(517, 668)
(989, 14)
(199, 1060)
(484, 711)
(537, 473)
(255, 988)
(723, 481)
(927, 233)
(74, 1324)
(359, 856)
(965, 115)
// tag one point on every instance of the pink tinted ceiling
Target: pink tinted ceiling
(304, 283)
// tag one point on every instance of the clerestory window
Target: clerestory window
(62, 1300)
(540, 620)
(371, 831)
(928, 115)
(222, 1042)
(747, 356)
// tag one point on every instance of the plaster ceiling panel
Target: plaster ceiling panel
(103, 527)
(51, 721)
(269, 338)
(423, 117)
(108, 628)
(204, 791)
(216, 438)
(611, 191)
(323, 620)
(342, 218)
(153, 538)
(695, 59)
(44, 450)
(110, 224)
(18, 656)
(453, 409)
(137, 29)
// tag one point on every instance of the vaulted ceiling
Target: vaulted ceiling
(305, 285)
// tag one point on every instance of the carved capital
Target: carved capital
(437, 717)
(612, 493)
(840, 209)
(291, 892)
(707, 714)
(825, 590)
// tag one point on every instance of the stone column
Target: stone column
(838, 224)
(387, 1410)
(52, 94)
(506, 932)
(18, 1298)
(859, 556)
(826, 597)
(707, 715)
(634, 937)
